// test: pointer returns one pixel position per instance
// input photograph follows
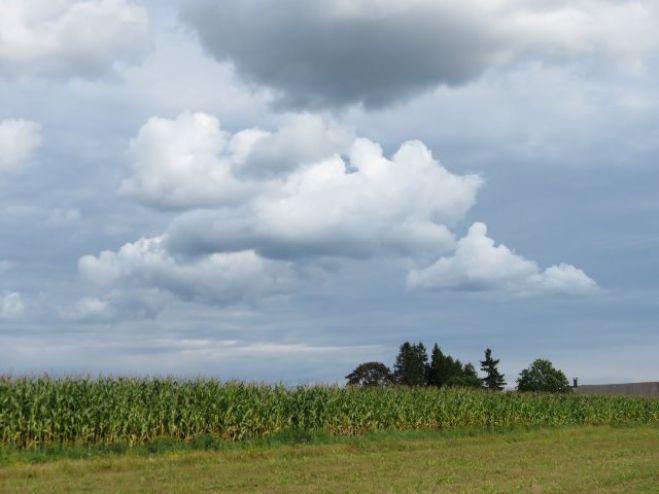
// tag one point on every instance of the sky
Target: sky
(280, 190)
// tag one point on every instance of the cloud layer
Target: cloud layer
(332, 53)
(554, 102)
(65, 38)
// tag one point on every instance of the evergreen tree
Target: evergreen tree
(468, 379)
(402, 363)
(493, 380)
(470, 371)
(455, 368)
(436, 374)
(446, 371)
(411, 365)
(421, 356)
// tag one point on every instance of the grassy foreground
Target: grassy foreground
(582, 459)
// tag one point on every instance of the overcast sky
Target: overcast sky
(278, 190)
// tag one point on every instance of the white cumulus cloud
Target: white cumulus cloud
(222, 278)
(479, 264)
(63, 38)
(334, 195)
(19, 139)
(186, 162)
(190, 161)
(259, 210)
(402, 203)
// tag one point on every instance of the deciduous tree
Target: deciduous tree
(370, 374)
(542, 376)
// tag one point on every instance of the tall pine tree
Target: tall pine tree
(493, 380)
(411, 365)
(468, 379)
(436, 376)
(444, 370)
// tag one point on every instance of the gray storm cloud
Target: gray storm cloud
(335, 53)
(328, 53)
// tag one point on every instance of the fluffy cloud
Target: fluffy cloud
(18, 141)
(318, 203)
(252, 224)
(12, 305)
(221, 278)
(70, 37)
(478, 264)
(367, 206)
(190, 162)
(304, 139)
(334, 52)
(185, 163)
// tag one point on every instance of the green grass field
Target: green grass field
(580, 459)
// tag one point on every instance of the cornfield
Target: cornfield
(41, 411)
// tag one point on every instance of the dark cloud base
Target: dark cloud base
(316, 57)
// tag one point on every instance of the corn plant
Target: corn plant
(42, 411)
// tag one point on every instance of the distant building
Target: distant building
(648, 390)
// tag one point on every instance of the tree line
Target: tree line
(413, 368)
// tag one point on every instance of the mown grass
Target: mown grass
(39, 412)
(10, 455)
(581, 459)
